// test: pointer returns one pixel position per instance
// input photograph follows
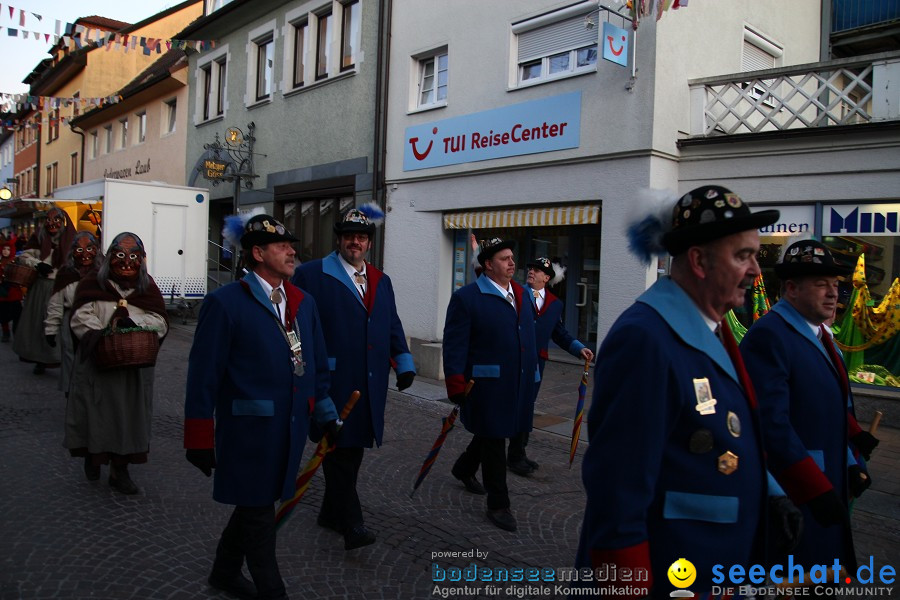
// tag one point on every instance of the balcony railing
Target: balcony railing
(853, 14)
(838, 92)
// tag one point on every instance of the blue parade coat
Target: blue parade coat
(548, 325)
(488, 340)
(240, 372)
(804, 416)
(654, 489)
(365, 338)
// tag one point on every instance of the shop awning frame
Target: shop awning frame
(545, 216)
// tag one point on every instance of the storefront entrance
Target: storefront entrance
(573, 246)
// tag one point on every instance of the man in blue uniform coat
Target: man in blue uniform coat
(674, 468)
(548, 325)
(489, 338)
(257, 375)
(365, 338)
(804, 395)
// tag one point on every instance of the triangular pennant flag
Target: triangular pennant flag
(37, 16)
(12, 32)
(37, 35)
(12, 12)
(24, 34)
(21, 18)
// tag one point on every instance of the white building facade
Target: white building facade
(541, 121)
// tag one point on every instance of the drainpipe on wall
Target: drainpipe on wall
(381, 86)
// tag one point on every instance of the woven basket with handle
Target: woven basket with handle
(126, 349)
(20, 275)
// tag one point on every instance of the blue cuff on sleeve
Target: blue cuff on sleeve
(404, 363)
(324, 410)
(575, 348)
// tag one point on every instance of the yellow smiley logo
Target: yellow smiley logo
(682, 573)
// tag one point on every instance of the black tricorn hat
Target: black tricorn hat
(709, 213)
(491, 247)
(809, 257)
(543, 264)
(264, 229)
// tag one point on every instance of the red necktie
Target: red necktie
(727, 337)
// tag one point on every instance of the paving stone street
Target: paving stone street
(65, 537)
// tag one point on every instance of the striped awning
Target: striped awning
(575, 214)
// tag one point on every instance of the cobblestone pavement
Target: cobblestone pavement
(64, 537)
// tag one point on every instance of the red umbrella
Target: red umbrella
(579, 412)
(446, 426)
(306, 475)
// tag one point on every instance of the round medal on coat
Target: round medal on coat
(734, 424)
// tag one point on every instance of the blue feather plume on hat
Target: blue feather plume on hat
(373, 212)
(651, 220)
(234, 227)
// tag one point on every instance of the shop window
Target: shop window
(556, 45)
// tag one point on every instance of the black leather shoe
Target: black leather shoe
(357, 537)
(520, 467)
(120, 480)
(534, 466)
(236, 585)
(91, 471)
(472, 484)
(502, 518)
(323, 521)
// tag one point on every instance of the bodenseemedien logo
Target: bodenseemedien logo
(682, 574)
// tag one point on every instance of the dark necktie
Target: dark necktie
(827, 341)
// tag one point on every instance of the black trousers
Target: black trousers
(340, 503)
(250, 535)
(516, 450)
(490, 453)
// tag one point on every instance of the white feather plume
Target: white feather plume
(559, 273)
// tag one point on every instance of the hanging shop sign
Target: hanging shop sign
(792, 220)
(615, 44)
(868, 219)
(543, 125)
(214, 169)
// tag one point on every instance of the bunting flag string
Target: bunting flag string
(76, 36)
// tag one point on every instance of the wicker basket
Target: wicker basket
(127, 349)
(17, 274)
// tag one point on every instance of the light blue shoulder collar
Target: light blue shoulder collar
(678, 310)
(332, 266)
(798, 323)
(258, 293)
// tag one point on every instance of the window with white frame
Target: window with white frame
(260, 63)
(432, 79)
(95, 144)
(760, 52)
(169, 115)
(557, 44)
(123, 132)
(211, 77)
(109, 138)
(142, 127)
(324, 21)
(52, 173)
(265, 52)
(349, 34)
(321, 43)
(300, 35)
